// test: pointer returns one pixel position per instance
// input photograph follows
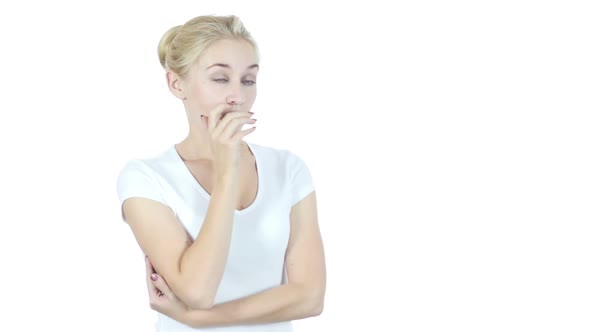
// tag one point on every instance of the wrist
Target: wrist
(227, 178)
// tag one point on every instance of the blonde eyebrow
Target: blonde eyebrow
(225, 65)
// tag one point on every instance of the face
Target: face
(225, 74)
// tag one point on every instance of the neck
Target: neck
(196, 146)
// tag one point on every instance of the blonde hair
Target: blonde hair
(182, 45)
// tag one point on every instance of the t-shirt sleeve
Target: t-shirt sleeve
(137, 180)
(300, 179)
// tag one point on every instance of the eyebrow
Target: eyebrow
(225, 65)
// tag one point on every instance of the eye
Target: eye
(220, 80)
(249, 82)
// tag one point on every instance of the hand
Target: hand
(162, 299)
(226, 136)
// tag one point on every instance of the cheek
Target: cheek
(251, 95)
(205, 97)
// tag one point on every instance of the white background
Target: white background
(448, 140)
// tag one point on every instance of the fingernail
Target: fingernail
(154, 277)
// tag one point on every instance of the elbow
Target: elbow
(316, 303)
(200, 301)
(193, 300)
(311, 300)
(195, 296)
(317, 308)
(200, 304)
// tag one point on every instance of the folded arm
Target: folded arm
(192, 269)
(301, 297)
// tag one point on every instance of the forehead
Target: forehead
(238, 54)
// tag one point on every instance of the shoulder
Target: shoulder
(284, 156)
(154, 160)
(267, 151)
(143, 177)
(152, 165)
(289, 171)
(285, 164)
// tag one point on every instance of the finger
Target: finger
(215, 116)
(235, 126)
(223, 127)
(238, 136)
(227, 127)
(150, 273)
(162, 286)
(231, 116)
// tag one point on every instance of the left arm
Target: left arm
(301, 297)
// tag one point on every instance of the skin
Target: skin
(217, 101)
(209, 87)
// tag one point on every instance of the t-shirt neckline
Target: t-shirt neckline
(204, 193)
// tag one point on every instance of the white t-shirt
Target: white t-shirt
(260, 233)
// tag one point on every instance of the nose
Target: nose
(236, 96)
(235, 99)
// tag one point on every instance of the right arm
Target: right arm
(193, 269)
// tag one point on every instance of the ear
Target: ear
(175, 84)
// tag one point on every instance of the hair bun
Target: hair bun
(181, 46)
(165, 42)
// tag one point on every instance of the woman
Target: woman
(230, 227)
